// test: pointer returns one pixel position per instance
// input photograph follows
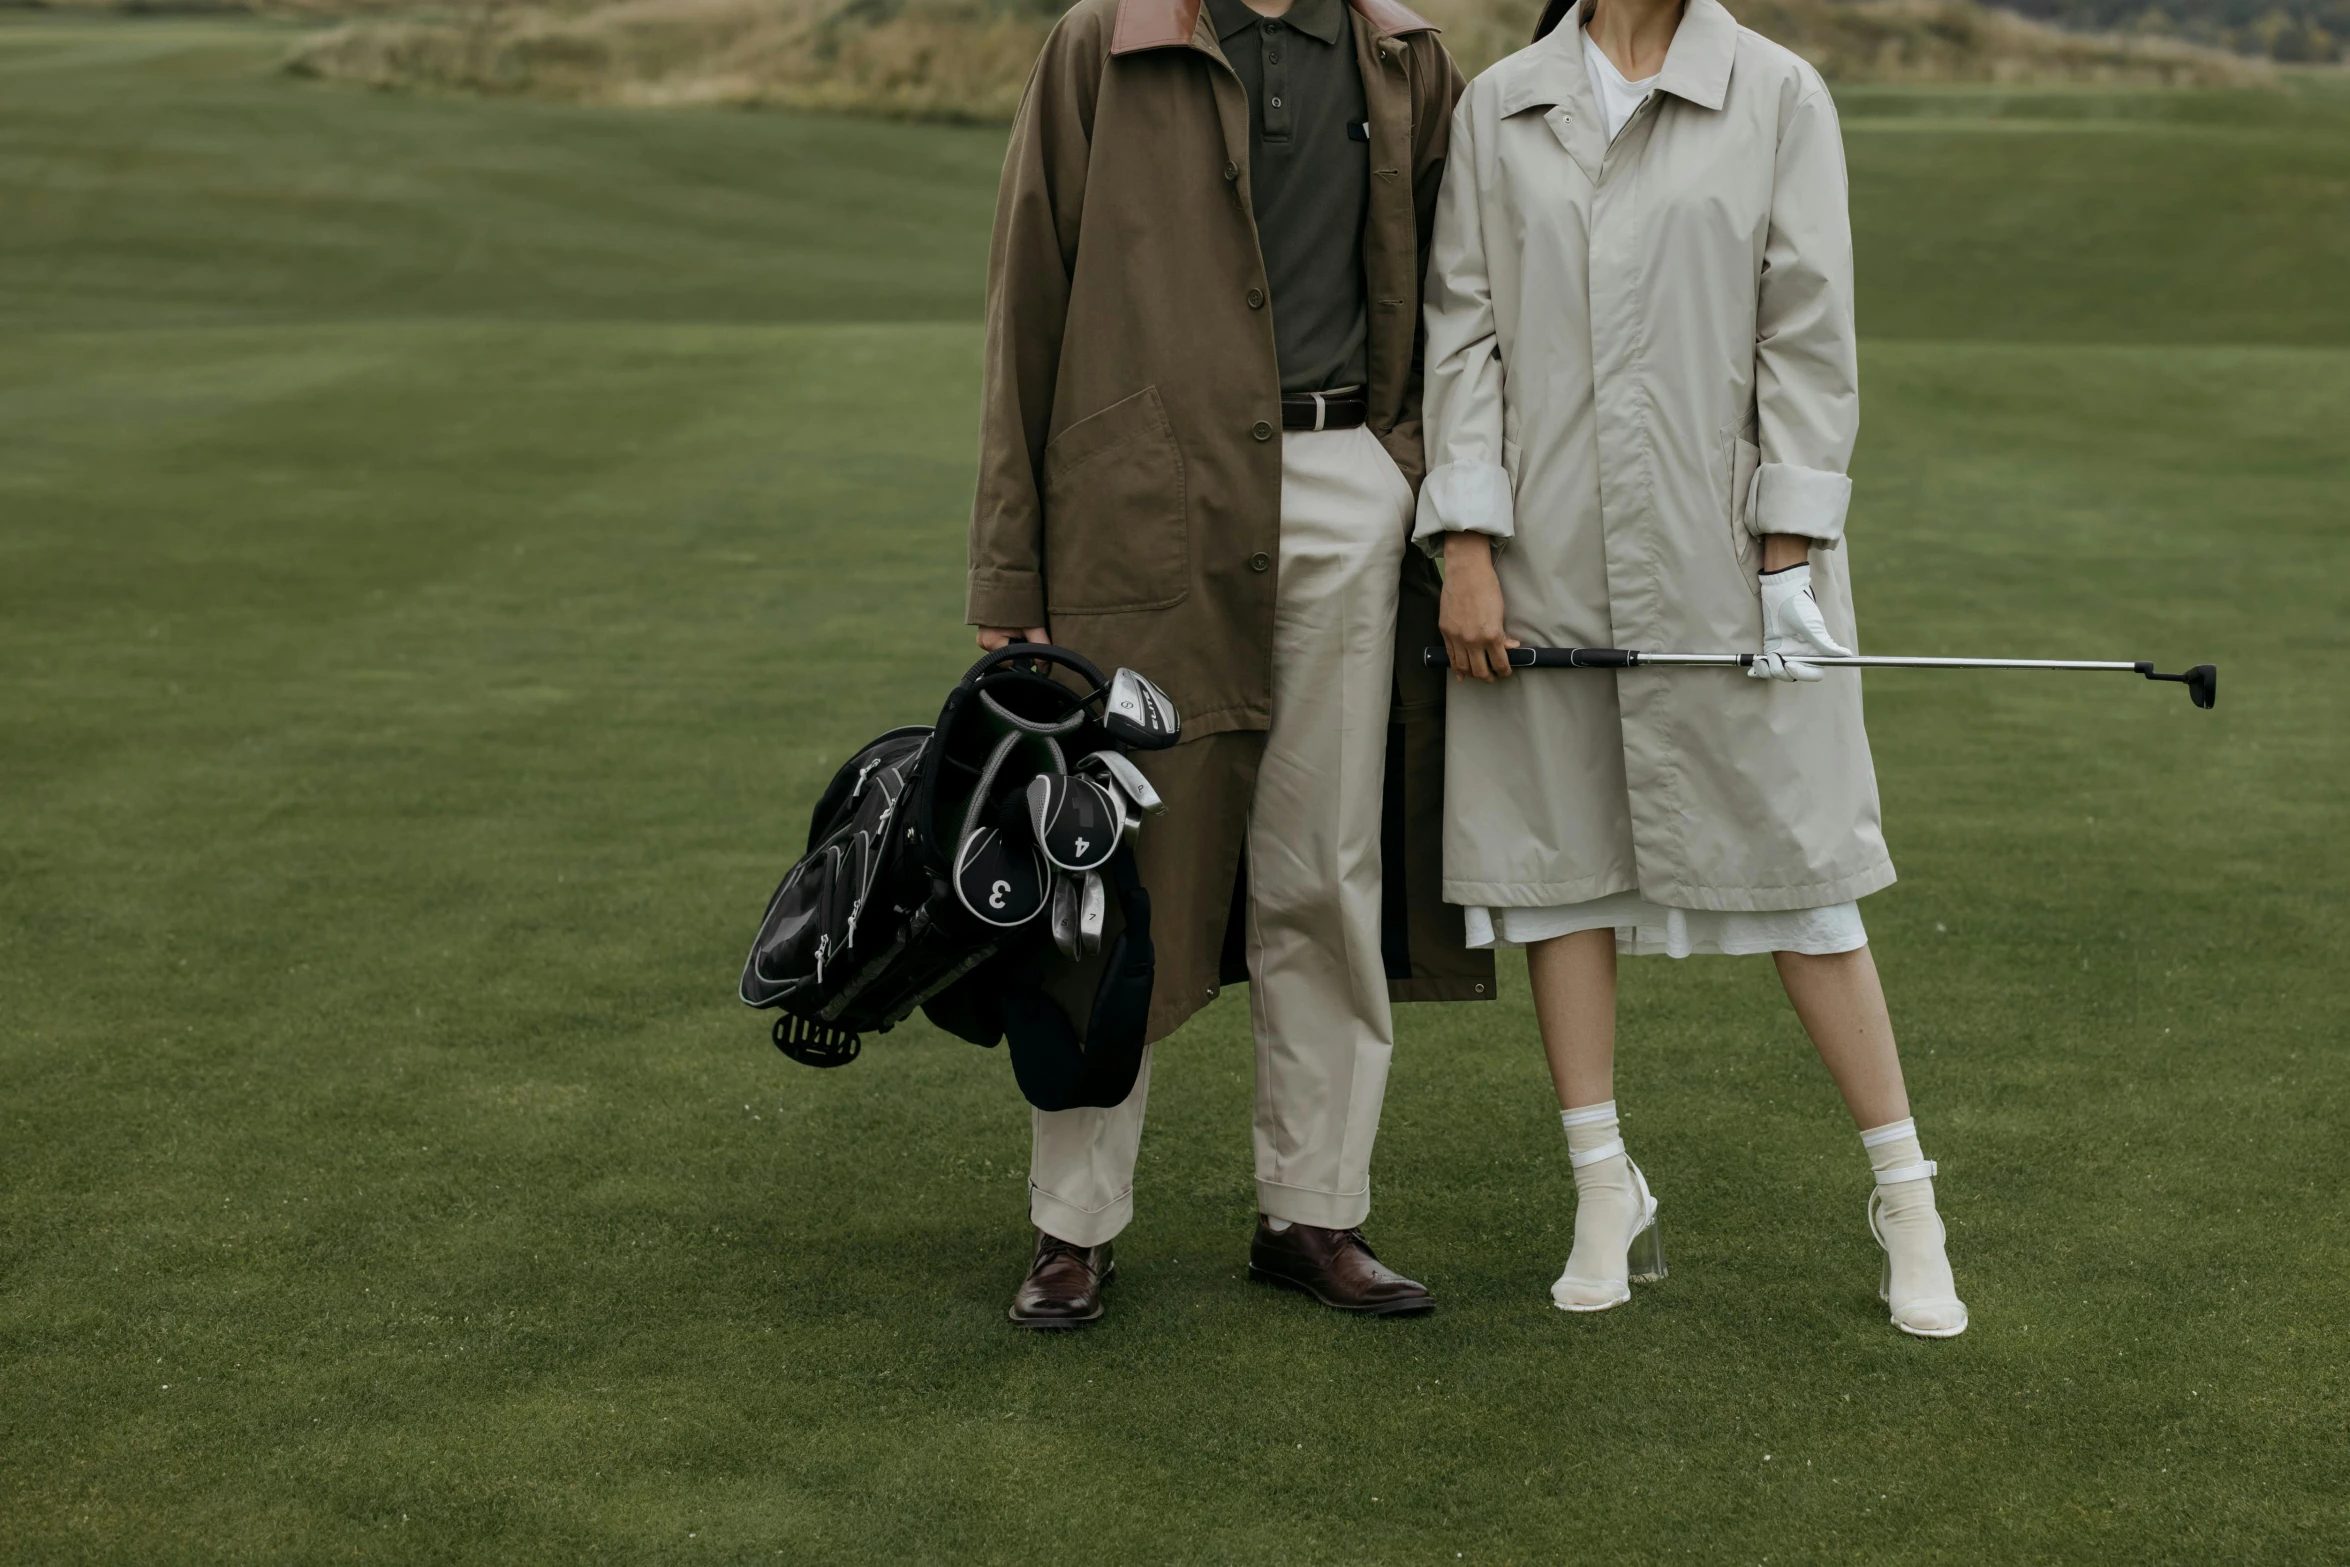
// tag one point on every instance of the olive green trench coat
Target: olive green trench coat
(1641, 357)
(1129, 495)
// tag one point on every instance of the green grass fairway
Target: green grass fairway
(445, 545)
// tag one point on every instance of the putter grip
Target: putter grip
(1549, 658)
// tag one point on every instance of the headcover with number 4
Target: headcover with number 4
(1077, 820)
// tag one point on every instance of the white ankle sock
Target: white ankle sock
(1921, 1294)
(1604, 1202)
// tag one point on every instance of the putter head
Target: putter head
(1076, 820)
(2203, 685)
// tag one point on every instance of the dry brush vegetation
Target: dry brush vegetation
(967, 59)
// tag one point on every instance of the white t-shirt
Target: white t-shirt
(1617, 97)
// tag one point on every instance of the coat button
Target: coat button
(1261, 430)
(1260, 561)
(1256, 299)
(1232, 171)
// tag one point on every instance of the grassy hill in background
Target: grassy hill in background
(967, 59)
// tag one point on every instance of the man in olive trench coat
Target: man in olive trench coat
(1199, 452)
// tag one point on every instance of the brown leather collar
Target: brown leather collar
(1168, 24)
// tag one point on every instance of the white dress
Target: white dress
(1642, 927)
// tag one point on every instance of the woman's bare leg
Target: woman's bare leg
(1574, 983)
(1842, 1006)
(1574, 980)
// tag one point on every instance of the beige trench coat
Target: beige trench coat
(1641, 358)
(1129, 495)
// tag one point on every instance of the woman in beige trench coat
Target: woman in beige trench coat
(1642, 396)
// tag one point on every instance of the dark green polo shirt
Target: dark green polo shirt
(1309, 178)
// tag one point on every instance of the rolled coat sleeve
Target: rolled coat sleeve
(1030, 261)
(1807, 365)
(1467, 489)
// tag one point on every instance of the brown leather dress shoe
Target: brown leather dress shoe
(1337, 1268)
(1064, 1284)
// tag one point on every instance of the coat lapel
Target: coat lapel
(1549, 77)
(1145, 25)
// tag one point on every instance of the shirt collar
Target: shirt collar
(1323, 19)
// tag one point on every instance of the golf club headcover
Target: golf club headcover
(1076, 820)
(1002, 883)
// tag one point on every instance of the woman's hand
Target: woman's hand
(993, 637)
(1469, 615)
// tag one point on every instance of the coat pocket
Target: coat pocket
(1116, 537)
(1744, 460)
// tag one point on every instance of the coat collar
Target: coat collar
(1697, 65)
(1171, 24)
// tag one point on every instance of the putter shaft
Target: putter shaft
(2202, 682)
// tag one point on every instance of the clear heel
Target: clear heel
(1645, 1259)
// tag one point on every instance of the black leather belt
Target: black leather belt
(1344, 409)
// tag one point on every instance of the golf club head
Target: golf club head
(1093, 912)
(1129, 779)
(1076, 820)
(1139, 714)
(1068, 907)
(1002, 883)
(2203, 685)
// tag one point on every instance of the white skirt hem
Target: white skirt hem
(1646, 929)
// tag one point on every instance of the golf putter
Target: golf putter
(2202, 682)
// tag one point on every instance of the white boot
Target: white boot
(1916, 1284)
(1615, 1216)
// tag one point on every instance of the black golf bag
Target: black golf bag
(947, 867)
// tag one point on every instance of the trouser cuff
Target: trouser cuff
(1300, 1205)
(1080, 1226)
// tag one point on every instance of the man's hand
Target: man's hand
(993, 637)
(1469, 615)
(1793, 627)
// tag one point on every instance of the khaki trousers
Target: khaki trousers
(1317, 984)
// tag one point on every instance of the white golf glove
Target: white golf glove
(1793, 628)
